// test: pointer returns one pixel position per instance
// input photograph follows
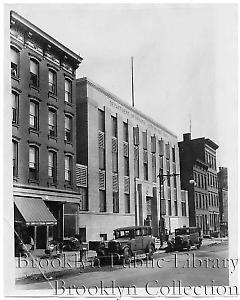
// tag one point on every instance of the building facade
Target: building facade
(198, 163)
(43, 92)
(124, 151)
(223, 199)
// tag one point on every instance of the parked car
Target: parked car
(186, 237)
(129, 241)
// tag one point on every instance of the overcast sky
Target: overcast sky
(185, 60)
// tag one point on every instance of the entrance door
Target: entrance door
(41, 237)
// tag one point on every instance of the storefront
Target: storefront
(33, 219)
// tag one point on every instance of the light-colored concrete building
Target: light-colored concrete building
(123, 151)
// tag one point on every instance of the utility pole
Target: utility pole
(162, 177)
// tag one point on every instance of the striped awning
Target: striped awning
(34, 211)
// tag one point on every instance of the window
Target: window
(168, 179)
(127, 203)
(15, 104)
(126, 166)
(68, 129)
(52, 81)
(145, 165)
(161, 147)
(169, 207)
(102, 199)
(101, 120)
(33, 115)
(125, 132)
(101, 158)
(52, 166)
(114, 162)
(114, 127)
(167, 147)
(68, 169)
(154, 171)
(34, 73)
(33, 163)
(173, 155)
(175, 208)
(184, 210)
(83, 198)
(68, 90)
(153, 144)
(144, 134)
(15, 158)
(115, 202)
(15, 55)
(52, 123)
(175, 181)
(136, 161)
(136, 136)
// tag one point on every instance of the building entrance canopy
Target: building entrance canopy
(34, 211)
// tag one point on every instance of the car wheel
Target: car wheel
(127, 254)
(150, 252)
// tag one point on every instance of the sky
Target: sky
(185, 60)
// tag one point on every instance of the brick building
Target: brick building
(223, 199)
(124, 150)
(43, 133)
(198, 162)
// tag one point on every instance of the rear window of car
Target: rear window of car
(181, 231)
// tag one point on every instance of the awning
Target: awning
(34, 211)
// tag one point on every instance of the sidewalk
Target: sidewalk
(38, 264)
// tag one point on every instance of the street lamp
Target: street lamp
(162, 177)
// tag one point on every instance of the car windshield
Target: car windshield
(123, 233)
(181, 231)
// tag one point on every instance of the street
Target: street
(207, 266)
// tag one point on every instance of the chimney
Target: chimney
(187, 137)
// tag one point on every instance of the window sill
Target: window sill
(68, 103)
(36, 181)
(49, 183)
(15, 178)
(68, 142)
(52, 95)
(34, 87)
(53, 138)
(36, 131)
(15, 125)
(68, 185)
(15, 78)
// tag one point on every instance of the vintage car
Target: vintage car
(129, 241)
(186, 237)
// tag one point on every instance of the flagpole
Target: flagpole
(132, 82)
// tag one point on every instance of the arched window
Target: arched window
(52, 81)
(68, 169)
(33, 163)
(52, 166)
(15, 58)
(34, 72)
(68, 90)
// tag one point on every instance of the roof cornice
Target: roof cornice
(44, 35)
